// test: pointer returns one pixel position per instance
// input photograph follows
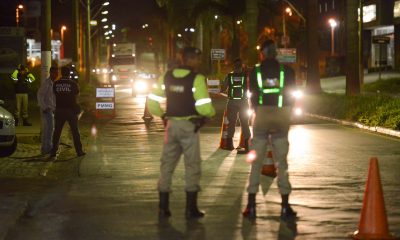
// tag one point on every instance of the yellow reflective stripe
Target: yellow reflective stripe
(271, 90)
(156, 98)
(202, 101)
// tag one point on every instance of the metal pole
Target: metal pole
(360, 44)
(332, 41)
(88, 49)
(75, 32)
(284, 27)
(46, 40)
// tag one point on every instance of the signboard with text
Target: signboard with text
(217, 54)
(105, 101)
(286, 55)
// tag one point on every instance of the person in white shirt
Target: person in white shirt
(47, 103)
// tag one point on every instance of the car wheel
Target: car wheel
(7, 151)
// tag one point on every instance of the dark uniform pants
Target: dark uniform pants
(235, 107)
(60, 117)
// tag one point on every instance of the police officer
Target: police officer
(236, 85)
(23, 78)
(67, 109)
(270, 84)
(187, 104)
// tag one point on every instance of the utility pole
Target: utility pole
(75, 32)
(46, 40)
(360, 43)
(88, 47)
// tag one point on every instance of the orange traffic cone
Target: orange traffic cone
(147, 115)
(269, 169)
(225, 143)
(373, 221)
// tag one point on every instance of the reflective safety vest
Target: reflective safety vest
(179, 93)
(270, 86)
(237, 86)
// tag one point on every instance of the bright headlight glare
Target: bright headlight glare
(297, 94)
(298, 111)
(114, 78)
(140, 86)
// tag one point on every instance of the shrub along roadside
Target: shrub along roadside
(370, 110)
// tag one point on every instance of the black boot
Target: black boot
(250, 211)
(25, 122)
(191, 206)
(229, 144)
(287, 211)
(163, 207)
(244, 150)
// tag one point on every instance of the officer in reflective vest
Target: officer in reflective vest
(187, 104)
(236, 85)
(270, 85)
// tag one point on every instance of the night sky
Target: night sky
(123, 13)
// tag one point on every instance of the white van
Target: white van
(8, 140)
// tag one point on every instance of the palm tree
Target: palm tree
(352, 48)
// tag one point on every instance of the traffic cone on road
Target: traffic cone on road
(373, 221)
(147, 115)
(269, 169)
(225, 143)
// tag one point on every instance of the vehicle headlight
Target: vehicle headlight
(114, 78)
(298, 111)
(140, 86)
(297, 94)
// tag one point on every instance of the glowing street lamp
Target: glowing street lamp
(63, 28)
(19, 8)
(333, 23)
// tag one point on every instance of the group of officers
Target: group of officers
(57, 99)
(188, 106)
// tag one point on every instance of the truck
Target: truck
(123, 63)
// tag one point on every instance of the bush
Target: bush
(371, 110)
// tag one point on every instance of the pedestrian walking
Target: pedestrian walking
(47, 103)
(23, 78)
(271, 84)
(236, 86)
(187, 105)
(67, 109)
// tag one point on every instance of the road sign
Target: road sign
(105, 101)
(286, 55)
(380, 40)
(104, 105)
(213, 85)
(217, 54)
(105, 92)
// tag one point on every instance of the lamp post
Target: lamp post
(63, 28)
(333, 23)
(19, 8)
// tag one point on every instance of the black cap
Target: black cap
(266, 44)
(191, 52)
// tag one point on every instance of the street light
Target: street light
(63, 28)
(333, 23)
(19, 8)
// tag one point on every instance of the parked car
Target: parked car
(8, 139)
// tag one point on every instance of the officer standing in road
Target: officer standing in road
(187, 105)
(23, 78)
(67, 109)
(236, 85)
(47, 104)
(271, 84)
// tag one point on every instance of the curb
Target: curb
(377, 129)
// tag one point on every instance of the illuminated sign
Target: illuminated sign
(396, 9)
(104, 105)
(105, 92)
(369, 13)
